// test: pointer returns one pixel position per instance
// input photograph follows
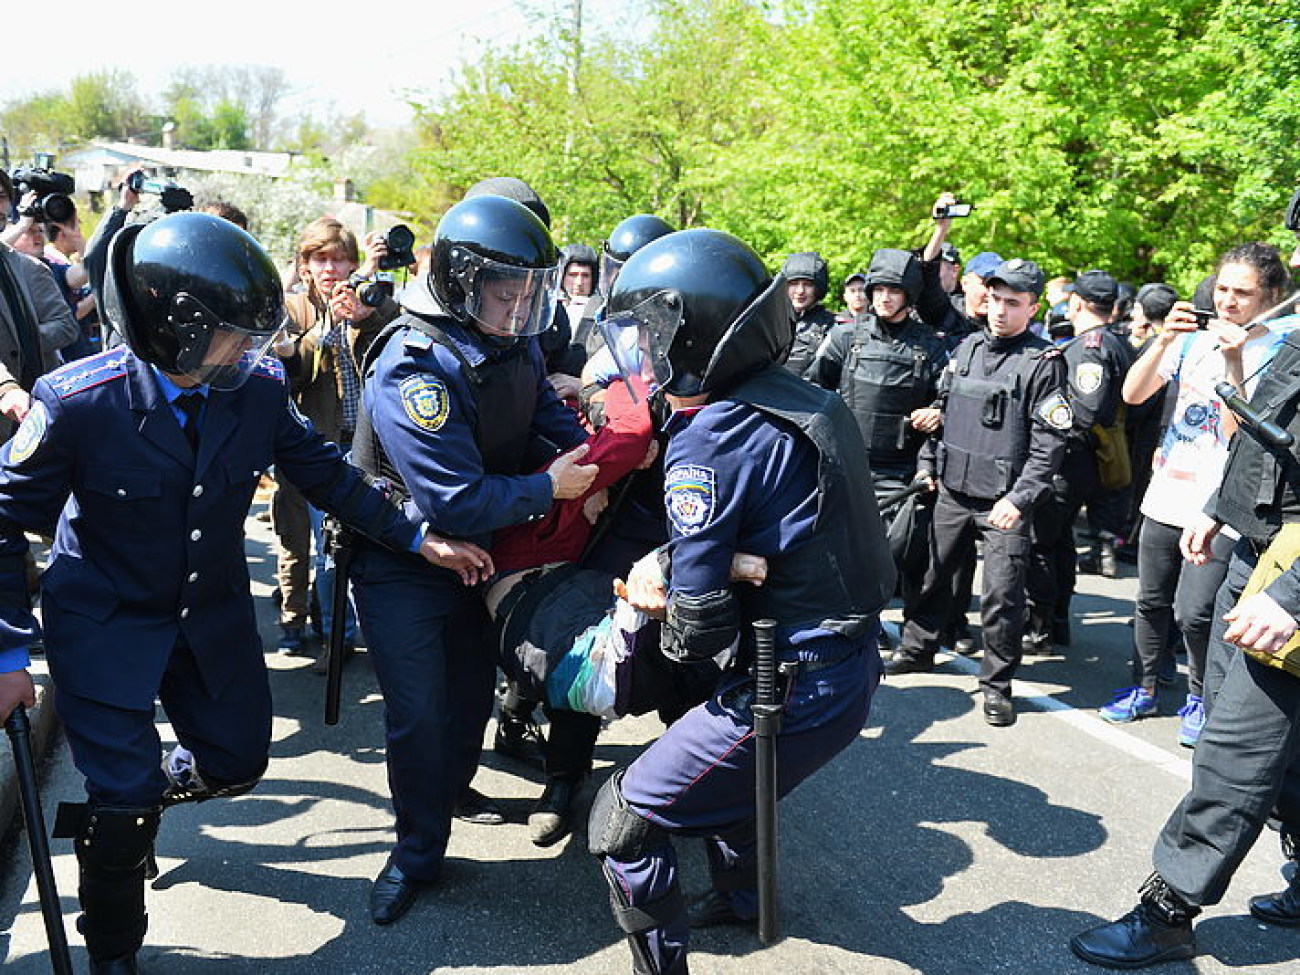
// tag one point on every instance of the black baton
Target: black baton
(767, 725)
(340, 545)
(20, 736)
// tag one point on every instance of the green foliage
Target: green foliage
(1145, 136)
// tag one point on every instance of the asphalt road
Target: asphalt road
(934, 844)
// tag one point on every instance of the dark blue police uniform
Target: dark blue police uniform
(449, 420)
(146, 594)
(761, 471)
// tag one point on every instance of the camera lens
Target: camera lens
(399, 237)
(58, 208)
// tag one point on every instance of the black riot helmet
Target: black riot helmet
(697, 312)
(896, 268)
(808, 266)
(494, 266)
(195, 296)
(625, 240)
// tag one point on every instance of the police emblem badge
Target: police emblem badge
(1087, 377)
(691, 497)
(1056, 412)
(30, 433)
(426, 401)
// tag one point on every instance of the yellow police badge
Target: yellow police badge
(426, 401)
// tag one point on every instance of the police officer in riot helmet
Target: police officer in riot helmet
(807, 282)
(886, 365)
(758, 458)
(146, 597)
(457, 417)
(631, 234)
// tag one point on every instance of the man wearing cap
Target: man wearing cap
(855, 298)
(1005, 423)
(1096, 361)
(806, 283)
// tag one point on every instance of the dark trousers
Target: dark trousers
(958, 521)
(118, 749)
(1246, 766)
(698, 780)
(426, 635)
(1053, 561)
(1170, 585)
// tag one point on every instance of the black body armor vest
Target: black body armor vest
(884, 379)
(844, 575)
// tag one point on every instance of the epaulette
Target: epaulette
(1052, 352)
(83, 374)
(269, 367)
(417, 341)
(1094, 339)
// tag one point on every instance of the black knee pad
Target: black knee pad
(614, 830)
(116, 838)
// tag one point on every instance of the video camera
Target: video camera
(53, 193)
(953, 210)
(171, 195)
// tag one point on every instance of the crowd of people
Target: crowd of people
(577, 477)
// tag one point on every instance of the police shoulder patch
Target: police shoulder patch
(30, 433)
(426, 401)
(1056, 412)
(1088, 376)
(690, 493)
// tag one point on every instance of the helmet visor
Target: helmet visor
(639, 339)
(510, 301)
(216, 353)
(609, 268)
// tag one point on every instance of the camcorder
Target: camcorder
(53, 194)
(171, 195)
(401, 249)
(953, 210)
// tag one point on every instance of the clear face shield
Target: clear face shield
(639, 340)
(508, 301)
(212, 352)
(609, 268)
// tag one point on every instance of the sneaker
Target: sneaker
(1193, 715)
(291, 640)
(1130, 704)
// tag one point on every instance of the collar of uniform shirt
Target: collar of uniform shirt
(681, 417)
(171, 392)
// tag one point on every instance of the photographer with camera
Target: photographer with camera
(329, 325)
(35, 322)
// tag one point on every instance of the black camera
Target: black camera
(53, 193)
(953, 210)
(372, 291)
(171, 195)
(401, 253)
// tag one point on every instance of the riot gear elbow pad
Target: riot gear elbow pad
(700, 627)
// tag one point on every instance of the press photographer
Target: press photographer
(35, 321)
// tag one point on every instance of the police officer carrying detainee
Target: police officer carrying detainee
(762, 462)
(1246, 767)
(1005, 423)
(147, 457)
(456, 404)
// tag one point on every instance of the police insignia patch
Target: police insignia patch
(426, 401)
(30, 434)
(1056, 412)
(1087, 377)
(691, 497)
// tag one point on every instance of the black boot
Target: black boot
(1037, 640)
(112, 848)
(1283, 907)
(1159, 929)
(909, 660)
(552, 818)
(519, 738)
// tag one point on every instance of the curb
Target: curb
(44, 734)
